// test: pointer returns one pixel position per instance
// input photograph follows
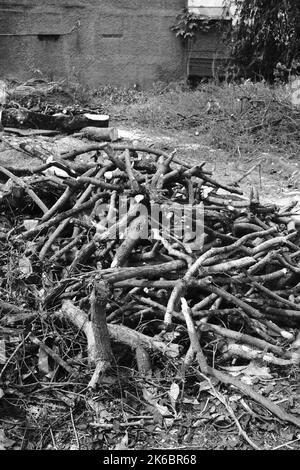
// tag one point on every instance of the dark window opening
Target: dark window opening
(48, 37)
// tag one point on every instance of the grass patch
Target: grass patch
(242, 119)
(237, 118)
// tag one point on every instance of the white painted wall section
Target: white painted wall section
(211, 8)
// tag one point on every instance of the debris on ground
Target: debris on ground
(131, 281)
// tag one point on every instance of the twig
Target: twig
(222, 399)
(253, 168)
(243, 338)
(52, 354)
(24, 186)
(74, 429)
(227, 379)
(60, 217)
(13, 354)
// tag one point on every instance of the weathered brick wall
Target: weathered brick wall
(118, 41)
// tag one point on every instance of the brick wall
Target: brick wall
(117, 42)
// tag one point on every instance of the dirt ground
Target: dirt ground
(272, 178)
(276, 177)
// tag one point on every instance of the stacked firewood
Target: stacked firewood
(208, 263)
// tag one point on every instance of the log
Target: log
(101, 354)
(23, 118)
(132, 238)
(118, 333)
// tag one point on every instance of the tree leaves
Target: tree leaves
(266, 35)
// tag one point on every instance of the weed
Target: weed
(232, 117)
(240, 118)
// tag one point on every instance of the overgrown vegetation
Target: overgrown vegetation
(187, 23)
(243, 119)
(264, 38)
(246, 118)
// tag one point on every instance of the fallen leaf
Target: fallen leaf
(2, 352)
(174, 394)
(106, 416)
(234, 398)
(5, 442)
(255, 370)
(190, 401)
(234, 370)
(157, 418)
(54, 170)
(220, 418)
(268, 389)
(249, 374)
(206, 192)
(82, 427)
(248, 380)
(43, 362)
(73, 447)
(123, 445)
(96, 406)
(162, 409)
(269, 427)
(149, 397)
(30, 223)
(169, 423)
(25, 266)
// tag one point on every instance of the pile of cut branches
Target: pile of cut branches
(135, 240)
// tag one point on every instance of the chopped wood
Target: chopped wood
(121, 273)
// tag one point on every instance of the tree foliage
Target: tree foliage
(188, 23)
(266, 38)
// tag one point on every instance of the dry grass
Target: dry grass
(239, 118)
(235, 118)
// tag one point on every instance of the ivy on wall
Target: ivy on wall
(264, 39)
(187, 24)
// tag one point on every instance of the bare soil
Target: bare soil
(276, 179)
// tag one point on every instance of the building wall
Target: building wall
(209, 6)
(118, 41)
(208, 52)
